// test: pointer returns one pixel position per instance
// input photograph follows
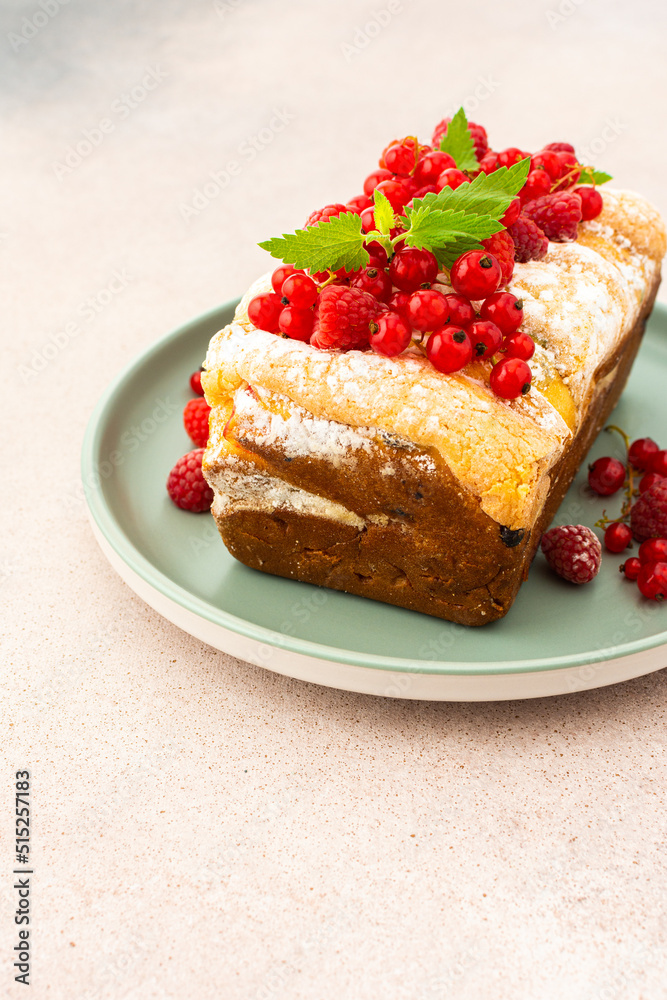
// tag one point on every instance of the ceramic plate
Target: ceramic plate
(557, 638)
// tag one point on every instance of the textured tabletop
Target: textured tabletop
(202, 827)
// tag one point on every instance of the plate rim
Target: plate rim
(100, 511)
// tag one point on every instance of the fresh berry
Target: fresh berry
(485, 337)
(591, 202)
(557, 215)
(648, 480)
(297, 324)
(658, 463)
(476, 274)
(648, 518)
(399, 303)
(374, 179)
(512, 213)
(401, 157)
(570, 171)
(195, 420)
(428, 309)
(503, 309)
(630, 568)
(411, 269)
(358, 204)
(390, 334)
(508, 157)
(264, 311)
(432, 165)
(641, 452)
(375, 281)
(377, 254)
(652, 581)
(396, 193)
(653, 550)
(449, 349)
(519, 345)
(548, 161)
(280, 274)
(299, 290)
(530, 243)
(510, 378)
(324, 214)
(501, 245)
(186, 484)
(478, 133)
(538, 183)
(617, 537)
(606, 476)
(195, 383)
(489, 163)
(343, 317)
(560, 147)
(461, 312)
(451, 178)
(422, 192)
(573, 551)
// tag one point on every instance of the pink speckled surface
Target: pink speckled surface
(204, 828)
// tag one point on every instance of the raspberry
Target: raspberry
(501, 245)
(530, 243)
(195, 420)
(652, 581)
(343, 317)
(648, 480)
(557, 215)
(478, 133)
(186, 484)
(324, 214)
(648, 518)
(573, 551)
(195, 382)
(617, 537)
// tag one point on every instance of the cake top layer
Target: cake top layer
(579, 303)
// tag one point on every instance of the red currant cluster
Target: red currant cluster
(186, 484)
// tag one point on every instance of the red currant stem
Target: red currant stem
(626, 439)
(415, 143)
(566, 177)
(629, 485)
(323, 284)
(419, 344)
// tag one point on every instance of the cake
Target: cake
(388, 478)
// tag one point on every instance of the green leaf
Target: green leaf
(338, 242)
(458, 142)
(430, 228)
(487, 194)
(450, 252)
(385, 220)
(591, 176)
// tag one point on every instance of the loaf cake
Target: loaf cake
(387, 478)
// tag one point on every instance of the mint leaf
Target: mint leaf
(434, 228)
(385, 220)
(450, 252)
(591, 176)
(487, 194)
(458, 142)
(338, 242)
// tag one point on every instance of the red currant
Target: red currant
(428, 310)
(297, 324)
(374, 179)
(652, 581)
(486, 338)
(299, 290)
(508, 157)
(631, 568)
(606, 476)
(653, 550)
(449, 349)
(264, 311)
(538, 183)
(476, 274)
(377, 254)
(519, 345)
(411, 269)
(591, 202)
(395, 192)
(390, 334)
(399, 303)
(511, 378)
(503, 309)
(279, 276)
(451, 178)
(375, 281)
(461, 313)
(548, 161)
(401, 157)
(648, 480)
(489, 163)
(570, 171)
(641, 452)
(617, 537)
(512, 212)
(658, 463)
(358, 204)
(195, 383)
(422, 191)
(432, 165)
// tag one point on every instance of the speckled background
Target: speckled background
(204, 828)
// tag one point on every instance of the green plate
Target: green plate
(176, 560)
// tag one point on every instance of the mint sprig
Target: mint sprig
(458, 142)
(338, 242)
(447, 234)
(487, 194)
(591, 176)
